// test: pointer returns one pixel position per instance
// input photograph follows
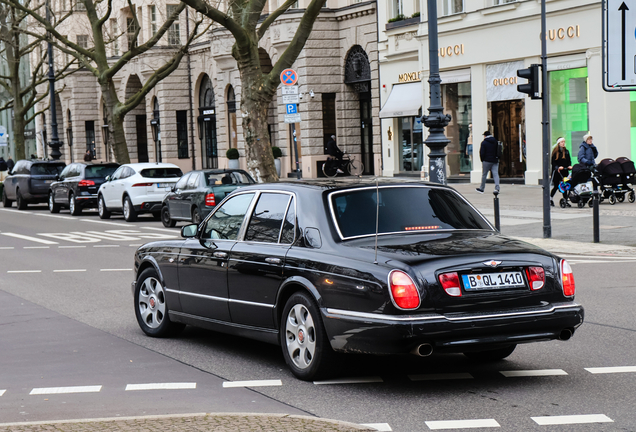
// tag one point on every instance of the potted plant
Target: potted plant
(278, 153)
(233, 155)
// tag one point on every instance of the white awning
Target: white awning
(405, 100)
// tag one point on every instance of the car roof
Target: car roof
(140, 166)
(341, 184)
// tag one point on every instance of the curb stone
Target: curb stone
(578, 248)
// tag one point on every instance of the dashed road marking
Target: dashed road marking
(66, 390)
(71, 247)
(2, 392)
(69, 271)
(461, 424)
(440, 377)
(355, 380)
(254, 383)
(114, 270)
(572, 419)
(533, 373)
(174, 232)
(135, 245)
(29, 238)
(7, 248)
(106, 223)
(161, 386)
(384, 427)
(105, 246)
(607, 370)
(54, 216)
(24, 271)
(36, 247)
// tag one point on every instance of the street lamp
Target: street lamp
(69, 139)
(436, 121)
(55, 143)
(200, 127)
(154, 124)
(105, 135)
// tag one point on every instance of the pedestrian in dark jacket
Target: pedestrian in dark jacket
(88, 156)
(334, 151)
(587, 152)
(3, 164)
(561, 164)
(489, 161)
(10, 164)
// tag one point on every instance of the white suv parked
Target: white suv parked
(137, 188)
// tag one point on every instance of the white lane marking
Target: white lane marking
(255, 383)
(109, 270)
(606, 370)
(24, 271)
(17, 211)
(66, 390)
(69, 271)
(135, 245)
(533, 373)
(440, 377)
(2, 392)
(173, 232)
(378, 426)
(36, 247)
(54, 216)
(7, 247)
(70, 247)
(609, 257)
(461, 424)
(355, 380)
(105, 246)
(572, 419)
(104, 222)
(29, 238)
(597, 262)
(161, 386)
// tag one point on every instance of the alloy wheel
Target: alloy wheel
(152, 303)
(300, 334)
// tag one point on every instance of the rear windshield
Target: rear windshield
(403, 209)
(232, 178)
(156, 173)
(46, 169)
(99, 171)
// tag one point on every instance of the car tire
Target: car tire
(73, 207)
(20, 202)
(491, 355)
(102, 210)
(303, 338)
(196, 216)
(165, 218)
(53, 208)
(129, 210)
(6, 202)
(151, 308)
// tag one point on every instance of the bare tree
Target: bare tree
(96, 59)
(242, 20)
(16, 50)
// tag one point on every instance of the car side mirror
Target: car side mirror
(107, 178)
(189, 231)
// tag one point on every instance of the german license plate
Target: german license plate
(48, 181)
(475, 282)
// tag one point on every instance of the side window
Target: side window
(117, 174)
(128, 172)
(289, 226)
(226, 222)
(193, 181)
(22, 169)
(65, 171)
(181, 184)
(267, 218)
(74, 171)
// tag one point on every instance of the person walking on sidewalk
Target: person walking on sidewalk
(587, 152)
(561, 164)
(489, 155)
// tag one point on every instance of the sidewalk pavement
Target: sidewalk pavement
(217, 422)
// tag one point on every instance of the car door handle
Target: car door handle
(273, 260)
(220, 255)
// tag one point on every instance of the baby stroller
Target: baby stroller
(629, 176)
(611, 180)
(578, 187)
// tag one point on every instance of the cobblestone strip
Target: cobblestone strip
(221, 422)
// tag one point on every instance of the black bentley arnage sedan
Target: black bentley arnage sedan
(362, 267)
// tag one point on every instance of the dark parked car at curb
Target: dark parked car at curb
(351, 267)
(198, 192)
(29, 182)
(77, 185)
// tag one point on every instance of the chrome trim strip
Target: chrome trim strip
(249, 303)
(214, 298)
(432, 317)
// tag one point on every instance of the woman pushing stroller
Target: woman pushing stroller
(561, 166)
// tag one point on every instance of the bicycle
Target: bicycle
(348, 164)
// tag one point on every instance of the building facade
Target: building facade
(198, 107)
(482, 44)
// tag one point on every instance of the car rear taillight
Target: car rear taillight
(450, 283)
(536, 277)
(403, 290)
(141, 184)
(210, 200)
(86, 183)
(567, 279)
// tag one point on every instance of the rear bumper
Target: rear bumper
(86, 201)
(382, 334)
(148, 207)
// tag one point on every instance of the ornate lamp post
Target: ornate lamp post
(154, 124)
(105, 135)
(436, 121)
(55, 142)
(69, 138)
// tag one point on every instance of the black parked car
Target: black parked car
(301, 265)
(198, 192)
(77, 186)
(29, 182)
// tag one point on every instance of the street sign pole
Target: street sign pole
(618, 46)
(289, 80)
(547, 227)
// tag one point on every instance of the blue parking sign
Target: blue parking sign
(292, 109)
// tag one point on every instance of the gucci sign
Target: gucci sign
(451, 50)
(505, 81)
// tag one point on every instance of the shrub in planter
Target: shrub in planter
(232, 153)
(415, 15)
(399, 17)
(277, 152)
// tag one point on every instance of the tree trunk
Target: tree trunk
(116, 135)
(19, 125)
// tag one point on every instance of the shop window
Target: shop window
(411, 143)
(578, 90)
(456, 99)
(182, 134)
(89, 128)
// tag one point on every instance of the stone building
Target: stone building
(198, 106)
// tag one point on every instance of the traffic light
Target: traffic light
(532, 87)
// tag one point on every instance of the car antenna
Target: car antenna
(377, 218)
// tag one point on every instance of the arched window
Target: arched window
(231, 118)
(155, 124)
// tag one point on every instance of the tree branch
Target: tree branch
(222, 18)
(272, 17)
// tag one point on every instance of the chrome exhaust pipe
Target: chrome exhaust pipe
(423, 350)
(565, 334)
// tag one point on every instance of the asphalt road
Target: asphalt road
(66, 321)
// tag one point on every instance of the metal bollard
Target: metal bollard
(597, 233)
(496, 204)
